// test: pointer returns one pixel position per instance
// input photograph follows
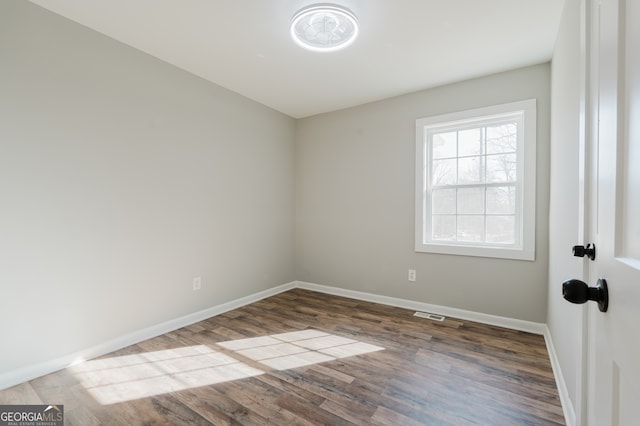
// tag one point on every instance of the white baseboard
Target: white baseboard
(21, 375)
(514, 324)
(567, 405)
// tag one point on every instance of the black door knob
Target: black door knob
(582, 251)
(576, 291)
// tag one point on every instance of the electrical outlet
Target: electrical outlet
(197, 283)
(412, 275)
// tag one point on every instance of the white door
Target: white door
(613, 394)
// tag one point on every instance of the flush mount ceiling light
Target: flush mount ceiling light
(324, 27)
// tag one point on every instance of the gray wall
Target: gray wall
(355, 203)
(121, 179)
(564, 319)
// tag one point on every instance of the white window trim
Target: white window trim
(526, 166)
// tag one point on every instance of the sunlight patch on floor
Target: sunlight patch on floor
(129, 377)
(298, 348)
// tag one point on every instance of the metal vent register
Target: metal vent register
(430, 316)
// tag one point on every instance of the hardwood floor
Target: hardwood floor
(309, 358)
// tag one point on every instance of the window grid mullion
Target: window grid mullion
(474, 185)
(483, 149)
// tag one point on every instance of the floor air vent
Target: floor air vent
(427, 315)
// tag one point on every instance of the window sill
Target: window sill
(477, 251)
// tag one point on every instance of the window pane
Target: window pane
(471, 201)
(469, 143)
(444, 145)
(470, 228)
(443, 227)
(444, 172)
(501, 168)
(443, 201)
(502, 139)
(501, 200)
(470, 170)
(501, 229)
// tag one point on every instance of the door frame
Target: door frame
(584, 200)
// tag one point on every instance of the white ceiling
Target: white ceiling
(404, 45)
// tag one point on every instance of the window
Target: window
(475, 182)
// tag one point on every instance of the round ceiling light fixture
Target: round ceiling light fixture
(324, 27)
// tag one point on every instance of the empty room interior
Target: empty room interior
(287, 212)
